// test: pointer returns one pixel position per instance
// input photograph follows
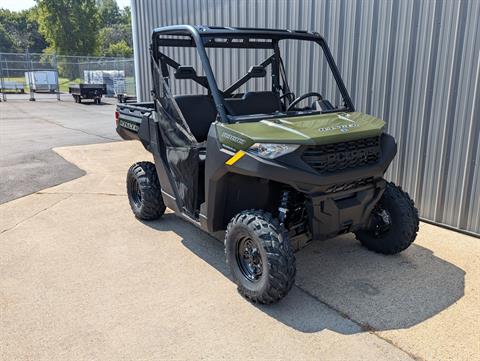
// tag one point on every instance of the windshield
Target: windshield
(261, 78)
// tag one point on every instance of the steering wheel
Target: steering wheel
(288, 95)
(304, 96)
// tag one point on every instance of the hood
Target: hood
(309, 129)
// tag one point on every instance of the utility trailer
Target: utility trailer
(87, 91)
(42, 81)
(12, 87)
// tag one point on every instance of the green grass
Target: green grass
(63, 83)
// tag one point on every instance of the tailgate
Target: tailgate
(129, 118)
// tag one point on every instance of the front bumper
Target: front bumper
(342, 212)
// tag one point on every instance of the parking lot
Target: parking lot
(81, 278)
(29, 131)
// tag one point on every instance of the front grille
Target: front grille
(334, 157)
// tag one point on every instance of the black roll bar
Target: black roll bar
(204, 36)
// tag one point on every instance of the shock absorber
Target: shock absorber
(283, 208)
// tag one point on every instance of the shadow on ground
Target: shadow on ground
(377, 292)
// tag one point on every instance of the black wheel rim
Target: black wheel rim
(381, 222)
(249, 259)
(136, 193)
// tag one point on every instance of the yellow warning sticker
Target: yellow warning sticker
(235, 157)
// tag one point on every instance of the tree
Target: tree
(69, 26)
(115, 30)
(108, 13)
(6, 43)
(126, 16)
(119, 49)
(19, 31)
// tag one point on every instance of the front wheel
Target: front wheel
(260, 256)
(393, 224)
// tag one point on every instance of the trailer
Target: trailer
(42, 80)
(87, 91)
(12, 87)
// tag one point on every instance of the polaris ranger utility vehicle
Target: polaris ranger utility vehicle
(263, 162)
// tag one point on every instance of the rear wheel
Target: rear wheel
(144, 192)
(260, 256)
(393, 223)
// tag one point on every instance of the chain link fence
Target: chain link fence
(32, 73)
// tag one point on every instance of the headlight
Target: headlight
(271, 151)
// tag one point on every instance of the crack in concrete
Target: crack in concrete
(81, 131)
(74, 129)
(364, 327)
(34, 215)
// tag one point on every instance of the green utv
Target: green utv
(266, 165)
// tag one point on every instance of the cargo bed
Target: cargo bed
(129, 117)
(87, 91)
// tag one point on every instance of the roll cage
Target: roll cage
(202, 37)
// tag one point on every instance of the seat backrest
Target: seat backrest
(199, 112)
(263, 102)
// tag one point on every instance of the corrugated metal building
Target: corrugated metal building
(416, 64)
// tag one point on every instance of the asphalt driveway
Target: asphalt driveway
(28, 131)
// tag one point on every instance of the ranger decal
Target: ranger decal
(128, 125)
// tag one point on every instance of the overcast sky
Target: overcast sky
(16, 5)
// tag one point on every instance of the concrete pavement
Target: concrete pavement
(81, 278)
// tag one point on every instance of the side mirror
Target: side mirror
(185, 72)
(257, 71)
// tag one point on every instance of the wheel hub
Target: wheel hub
(249, 259)
(381, 221)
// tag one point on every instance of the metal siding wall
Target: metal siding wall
(415, 64)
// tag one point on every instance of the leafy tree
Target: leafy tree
(126, 17)
(6, 43)
(116, 30)
(19, 31)
(108, 13)
(113, 34)
(69, 26)
(120, 49)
